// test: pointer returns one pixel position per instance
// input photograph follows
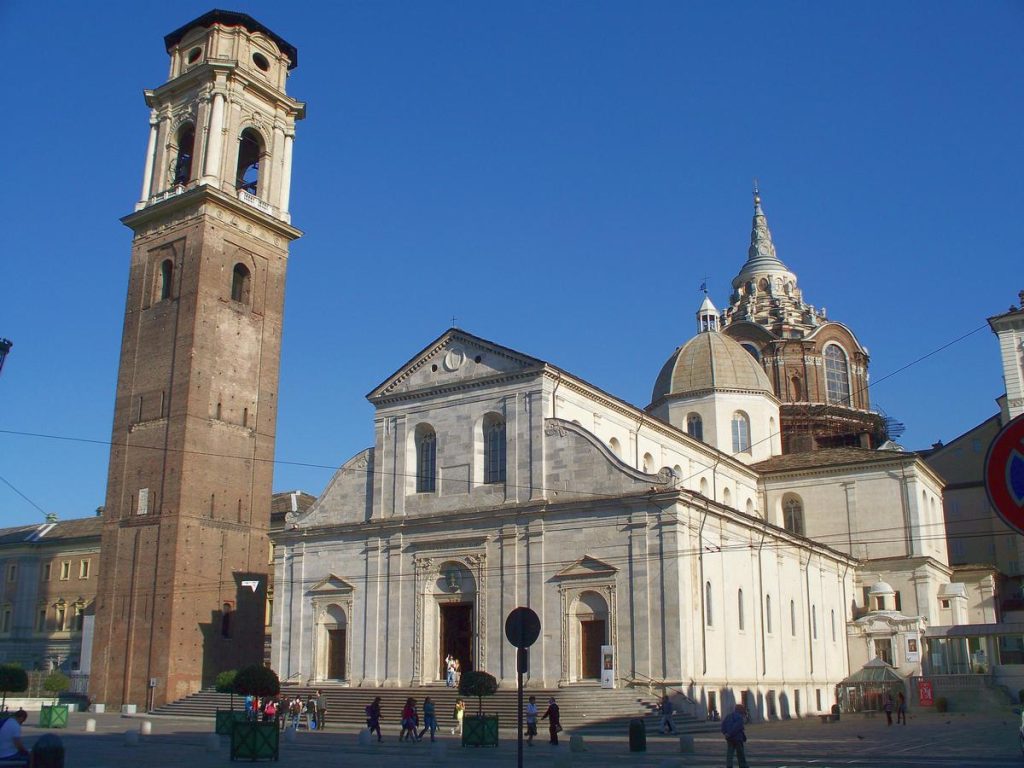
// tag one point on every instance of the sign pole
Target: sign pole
(520, 658)
(522, 628)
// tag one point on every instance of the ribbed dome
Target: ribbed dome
(710, 361)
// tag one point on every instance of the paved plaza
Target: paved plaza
(931, 740)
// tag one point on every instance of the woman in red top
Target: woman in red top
(409, 721)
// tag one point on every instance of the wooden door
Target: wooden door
(591, 639)
(336, 654)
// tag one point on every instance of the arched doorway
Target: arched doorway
(592, 620)
(334, 637)
(455, 591)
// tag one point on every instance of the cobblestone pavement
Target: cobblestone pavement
(929, 741)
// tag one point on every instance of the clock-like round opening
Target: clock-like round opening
(194, 54)
(261, 61)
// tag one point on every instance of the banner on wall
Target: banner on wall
(913, 652)
(607, 666)
(925, 694)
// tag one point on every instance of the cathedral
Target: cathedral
(690, 542)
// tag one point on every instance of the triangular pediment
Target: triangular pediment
(587, 567)
(454, 359)
(332, 585)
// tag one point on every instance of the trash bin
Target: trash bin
(835, 712)
(637, 735)
(48, 752)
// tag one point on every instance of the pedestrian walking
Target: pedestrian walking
(901, 708)
(449, 667)
(373, 718)
(666, 715)
(429, 719)
(888, 708)
(735, 736)
(531, 720)
(554, 720)
(410, 720)
(458, 713)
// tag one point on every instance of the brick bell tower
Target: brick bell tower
(183, 568)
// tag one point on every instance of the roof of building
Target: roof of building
(62, 530)
(829, 457)
(283, 502)
(710, 361)
(233, 19)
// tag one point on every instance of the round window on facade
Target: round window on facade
(261, 61)
(194, 54)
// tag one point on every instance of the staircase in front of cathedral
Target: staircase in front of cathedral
(583, 709)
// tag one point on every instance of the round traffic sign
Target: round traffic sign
(522, 627)
(1004, 474)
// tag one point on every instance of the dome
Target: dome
(710, 361)
(880, 589)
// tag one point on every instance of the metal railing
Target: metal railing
(640, 680)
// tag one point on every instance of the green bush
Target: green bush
(225, 683)
(56, 683)
(478, 684)
(257, 680)
(13, 679)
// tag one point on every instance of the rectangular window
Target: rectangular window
(5, 625)
(41, 620)
(883, 650)
(12, 571)
(817, 698)
(143, 508)
(83, 569)
(65, 570)
(46, 571)
(899, 603)
(943, 603)
(61, 615)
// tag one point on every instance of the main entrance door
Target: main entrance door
(336, 654)
(591, 640)
(456, 636)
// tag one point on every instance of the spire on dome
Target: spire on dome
(761, 253)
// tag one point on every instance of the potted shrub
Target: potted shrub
(479, 730)
(225, 683)
(13, 679)
(55, 715)
(255, 740)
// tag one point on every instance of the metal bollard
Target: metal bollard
(48, 752)
(145, 728)
(637, 735)
(90, 725)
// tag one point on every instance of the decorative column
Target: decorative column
(423, 567)
(286, 174)
(147, 174)
(639, 578)
(215, 140)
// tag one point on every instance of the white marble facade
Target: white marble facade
(677, 566)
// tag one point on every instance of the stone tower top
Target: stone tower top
(223, 120)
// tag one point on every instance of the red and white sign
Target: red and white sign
(925, 694)
(1004, 474)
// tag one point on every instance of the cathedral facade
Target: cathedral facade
(680, 538)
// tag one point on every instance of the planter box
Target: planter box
(226, 718)
(255, 741)
(53, 716)
(480, 731)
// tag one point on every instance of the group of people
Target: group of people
(411, 719)
(453, 671)
(288, 712)
(900, 707)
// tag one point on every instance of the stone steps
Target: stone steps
(582, 708)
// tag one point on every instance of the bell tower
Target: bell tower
(183, 569)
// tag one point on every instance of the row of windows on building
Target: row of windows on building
(748, 699)
(837, 375)
(740, 430)
(741, 613)
(494, 453)
(241, 282)
(46, 574)
(62, 616)
(251, 149)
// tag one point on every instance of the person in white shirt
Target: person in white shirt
(531, 720)
(12, 748)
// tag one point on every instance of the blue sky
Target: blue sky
(558, 176)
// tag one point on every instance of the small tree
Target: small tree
(478, 684)
(13, 679)
(56, 683)
(257, 680)
(225, 683)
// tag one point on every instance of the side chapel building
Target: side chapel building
(682, 534)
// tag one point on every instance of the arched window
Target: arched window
(754, 351)
(768, 612)
(739, 609)
(250, 151)
(709, 616)
(740, 432)
(792, 618)
(166, 278)
(695, 426)
(704, 486)
(426, 459)
(750, 507)
(837, 375)
(648, 463)
(494, 449)
(762, 284)
(727, 497)
(614, 445)
(793, 514)
(183, 163)
(241, 281)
